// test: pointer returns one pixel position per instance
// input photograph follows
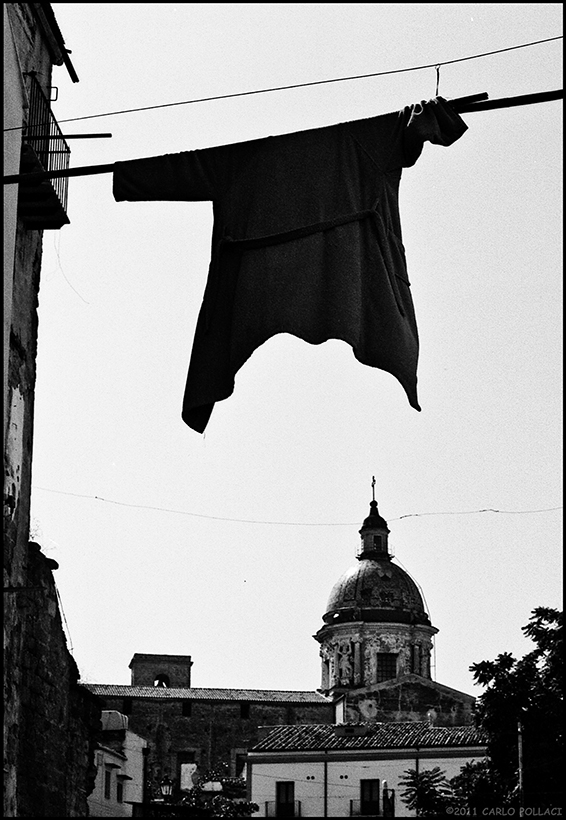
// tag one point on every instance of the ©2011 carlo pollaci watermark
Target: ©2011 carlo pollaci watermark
(506, 811)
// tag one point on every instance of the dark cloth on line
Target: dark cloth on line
(306, 240)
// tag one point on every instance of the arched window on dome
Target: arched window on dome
(162, 680)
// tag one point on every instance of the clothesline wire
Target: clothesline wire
(435, 65)
(288, 523)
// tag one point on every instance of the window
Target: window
(187, 708)
(285, 799)
(127, 706)
(386, 666)
(416, 659)
(161, 680)
(186, 767)
(119, 792)
(377, 542)
(107, 784)
(238, 758)
(369, 797)
(244, 711)
(325, 674)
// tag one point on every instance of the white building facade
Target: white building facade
(351, 771)
(120, 767)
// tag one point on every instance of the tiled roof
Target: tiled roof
(377, 736)
(110, 690)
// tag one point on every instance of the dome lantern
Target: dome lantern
(374, 532)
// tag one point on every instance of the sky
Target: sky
(225, 545)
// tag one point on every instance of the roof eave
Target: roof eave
(378, 753)
(45, 17)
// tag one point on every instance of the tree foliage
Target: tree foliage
(427, 791)
(523, 701)
(199, 802)
(230, 802)
(477, 787)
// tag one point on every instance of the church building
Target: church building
(376, 642)
(375, 648)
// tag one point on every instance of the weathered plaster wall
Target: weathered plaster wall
(409, 698)
(18, 444)
(26, 52)
(349, 651)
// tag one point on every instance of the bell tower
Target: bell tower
(168, 671)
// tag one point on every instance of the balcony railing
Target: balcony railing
(386, 808)
(360, 809)
(43, 205)
(275, 809)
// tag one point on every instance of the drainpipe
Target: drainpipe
(417, 771)
(520, 757)
(210, 722)
(325, 811)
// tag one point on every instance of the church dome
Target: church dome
(376, 589)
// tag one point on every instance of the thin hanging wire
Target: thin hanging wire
(286, 523)
(304, 85)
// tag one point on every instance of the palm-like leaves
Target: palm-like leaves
(427, 792)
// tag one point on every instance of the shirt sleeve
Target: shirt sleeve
(187, 176)
(396, 140)
(433, 121)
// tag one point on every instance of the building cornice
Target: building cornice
(45, 18)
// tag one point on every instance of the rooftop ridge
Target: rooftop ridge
(203, 693)
(201, 688)
(402, 735)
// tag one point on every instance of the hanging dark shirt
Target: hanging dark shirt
(306, 240)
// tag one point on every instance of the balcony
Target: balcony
(43, 205)
(366, 808)
(275, 809)
(359, 808)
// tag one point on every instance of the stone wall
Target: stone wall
(59, 720)
(147, 668)
(215, 731)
